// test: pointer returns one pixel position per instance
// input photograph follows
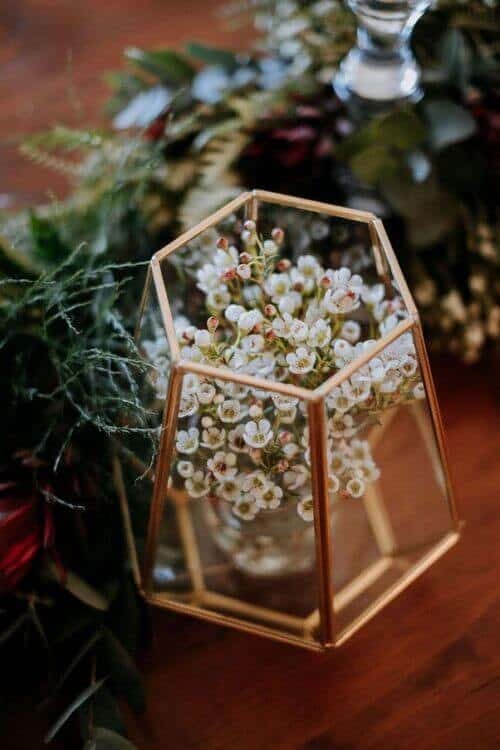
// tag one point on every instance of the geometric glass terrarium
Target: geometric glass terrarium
(300, 479)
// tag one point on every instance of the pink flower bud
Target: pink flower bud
(282, 465)
(278, 235)
(285, 437)
(270, 335)
(245, 257)
(212, 323)
(283, 264)
(244, 271)
(250, 225)
(325, 282)
(270, 311)
(222, 243)
(229, 274)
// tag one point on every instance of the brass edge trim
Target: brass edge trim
(318, 438)
(316, 206)
(404, 582)
(249, 380)
(161, 473)
(346, 372)
(437, 423)
(207, 223)
(233, 622)
(395, 268)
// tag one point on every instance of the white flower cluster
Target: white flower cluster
(297, 324)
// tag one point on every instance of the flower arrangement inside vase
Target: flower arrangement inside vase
(244, 452)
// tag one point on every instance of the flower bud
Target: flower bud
(229, 275)
(325, 282)
(246, 236)
(270, 311)
(212, 323)
(278, 235)
(222, 243)
(245, 257)
(282, 465)
(283, 264)
(285, 437)
(244, 271)
(270, 335)
(250, 225)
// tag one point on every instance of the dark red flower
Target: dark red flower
(26, 528)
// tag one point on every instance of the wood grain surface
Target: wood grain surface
(425, 673)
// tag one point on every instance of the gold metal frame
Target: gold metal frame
(330, 601)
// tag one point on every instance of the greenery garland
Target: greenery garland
(189, 131)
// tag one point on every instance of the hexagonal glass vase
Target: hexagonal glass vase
(300, 479)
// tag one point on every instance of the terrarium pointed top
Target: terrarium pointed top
(385, 262)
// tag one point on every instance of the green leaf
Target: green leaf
(105, 712)
(106, 739)
(47, 243)
(74, 705)
(401, 129)
(164, 64)
(212, 55)
(79, 588)
(374, 163)
(456, 57)
(448, 123)
(123, 673)
(430, 212)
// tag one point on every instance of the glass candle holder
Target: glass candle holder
(380, 71)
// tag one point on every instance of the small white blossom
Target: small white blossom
(202, 339)
(197, 485)
(305, 509)
(188, 405)
(185, 469)
(218, 299)
(295, 477)
(355, 487)
(223, 465)
(236, 440)
(258, 434)
(233, 313)
(419, 391)
(372, 295)
(213, 438)
(253, 343)
(320, 334)
(270, 498)
(290, 302)
(351, 331)
(206, 393)
(230, 411)
(277, 285)
(249, 320)
(301, 361)
(231, 490)
(246, 509)
(190, 384)
(188, 440)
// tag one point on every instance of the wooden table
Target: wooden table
(425, 673)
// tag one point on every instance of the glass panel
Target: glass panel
(390, 506)
(239, 497)
(292, 298)
(138, 449)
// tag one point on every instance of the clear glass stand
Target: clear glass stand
(381, 71)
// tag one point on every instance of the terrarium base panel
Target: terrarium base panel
(354, 605)
(378, 550)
